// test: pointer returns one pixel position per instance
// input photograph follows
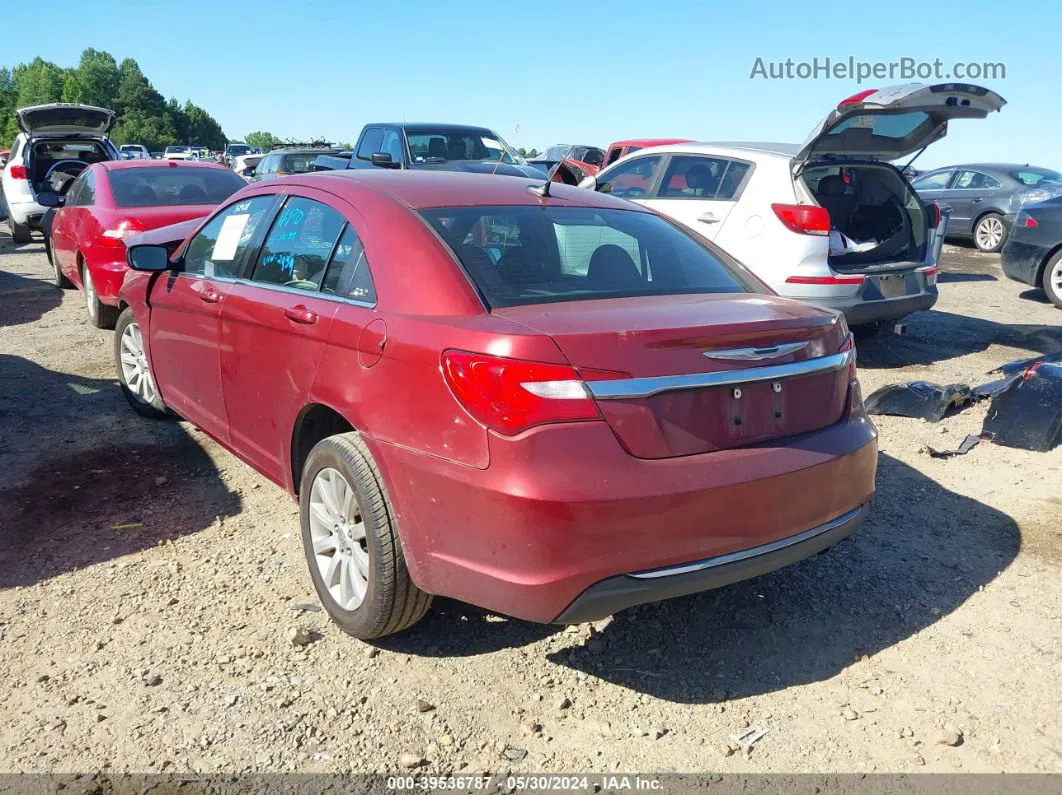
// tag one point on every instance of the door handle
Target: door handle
(708, 218)
(976, 201)
(210, 296)
(300, 314)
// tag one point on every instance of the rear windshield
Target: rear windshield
(300, 163)
(1034, 176)
(177, 149)
(538, 255)
(238, 149)
(165, 187)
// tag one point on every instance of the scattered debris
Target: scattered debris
(1027, 412)
(510, 753)
(424, 706)
(948, 737)
(969, 443)
(410, 761)
(304, 607)
(299, 636)
(919, 399)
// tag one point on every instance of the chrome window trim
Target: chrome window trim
(279, 288)
(623, 389)
(745, 554)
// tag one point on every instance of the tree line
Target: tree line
(144, 116)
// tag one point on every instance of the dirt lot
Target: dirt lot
(148, 580)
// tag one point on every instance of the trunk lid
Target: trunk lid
(157, 217)
(709, 372)
(64, 118)
(890, 123)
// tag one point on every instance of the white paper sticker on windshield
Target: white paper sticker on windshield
(229, 238)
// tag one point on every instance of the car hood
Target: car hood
(503, 169)
(889, 123)
(65, 118)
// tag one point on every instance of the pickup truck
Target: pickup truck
(440, 147)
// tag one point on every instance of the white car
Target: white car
(244, 165)
(831, 222)
(57, 137)
(134, 152)
(179, 153)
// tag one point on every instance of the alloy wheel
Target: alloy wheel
(989, 233)
(1055, 279)
(134, 363)
(90, 292)
(337, 530)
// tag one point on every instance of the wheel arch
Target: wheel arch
(989, 211)
(1038, 278)
(315, 422)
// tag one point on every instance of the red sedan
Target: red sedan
(112, 200)
(554, 407)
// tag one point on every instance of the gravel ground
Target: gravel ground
(149, 582)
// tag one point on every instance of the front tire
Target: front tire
(100, 315)
(351, 542)
(1052, 279)
(990, 233)
(134, 370)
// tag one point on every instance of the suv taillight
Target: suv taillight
(1026, 220)
(804, 219)
(511, 395)
(18, 172)
(934, 214)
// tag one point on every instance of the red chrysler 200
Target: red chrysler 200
(553, 406)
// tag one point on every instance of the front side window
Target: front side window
(370, 143)
(219, 247)
(691, 177)
(632, 179)
(975, 180)
(392, 145)
(937, 181)
(297, 248)
(73, 195)
(167, 187)
(86, 197)
(537, 255)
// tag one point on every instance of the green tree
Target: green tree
(135, 92)
(203, 129)
(98, 75)
(71, 88)
(262, 139)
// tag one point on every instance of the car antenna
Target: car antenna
(543, 190)
(501, 154)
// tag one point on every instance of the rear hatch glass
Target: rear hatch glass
(169, 187)
(65, 119)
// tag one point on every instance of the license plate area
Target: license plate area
(893, 285)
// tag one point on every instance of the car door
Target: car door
(61, 239)
(699, 191)
(964, 195)
(274, 327)
(632, 179)
(186, 304)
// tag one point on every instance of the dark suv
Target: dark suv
(290, 159)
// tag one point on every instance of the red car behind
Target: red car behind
(554, 407)
(112, 200)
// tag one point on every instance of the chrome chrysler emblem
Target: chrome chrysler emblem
(756, 354)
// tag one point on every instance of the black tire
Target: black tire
(989, 218)
(864, 331)
(1052, 279)
(153, 409)
(392, 602)
(20, 233)
(58, 279)
(100, 315)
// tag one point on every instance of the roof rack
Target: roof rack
(302, 145)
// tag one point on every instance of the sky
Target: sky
(588, 73)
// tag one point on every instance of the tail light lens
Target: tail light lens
(18, 172)
(804, 219)
(849, 345)
(1026, 220)
(934, 214)
(856, 99)
(511, 395)
(125, 228)
(825, 280)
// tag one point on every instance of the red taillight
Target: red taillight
(1026, 220)
(123, 229)
(934, 217)
(18, 172)
(512, 395)
(849, 345)
(825, 280)
(805, 219)
(855, 99)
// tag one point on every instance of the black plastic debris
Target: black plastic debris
(919, 399)
(1027, 411)
(969, 443)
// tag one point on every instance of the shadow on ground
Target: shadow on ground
(110, 483)
(25, 300)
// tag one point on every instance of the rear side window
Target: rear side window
(167, 187)
(536, 255)
(1034, 176)
(219, 247)
(632, 179)
(299, 245)
(690, 177)
(933, 181)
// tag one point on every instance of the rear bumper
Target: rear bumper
(563, 508)
(1021, 261)
(617, 593)
(25, 213)
(870, 306)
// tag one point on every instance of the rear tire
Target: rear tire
(58, 279)
(1052, 279)
(990, 233)
(348, 532)
(20, 233)
(131, 362)
(100, 315)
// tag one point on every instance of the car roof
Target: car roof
(424, 189)
(732, 148)
(301, 150)
(994, 166)
(121, 165)
(427, 125)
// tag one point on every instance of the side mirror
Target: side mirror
(383, 160)
(247, 172)
(48, 198)
(148, 258)
(590, 183)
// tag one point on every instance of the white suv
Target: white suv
(831, 222)
(57, 137)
